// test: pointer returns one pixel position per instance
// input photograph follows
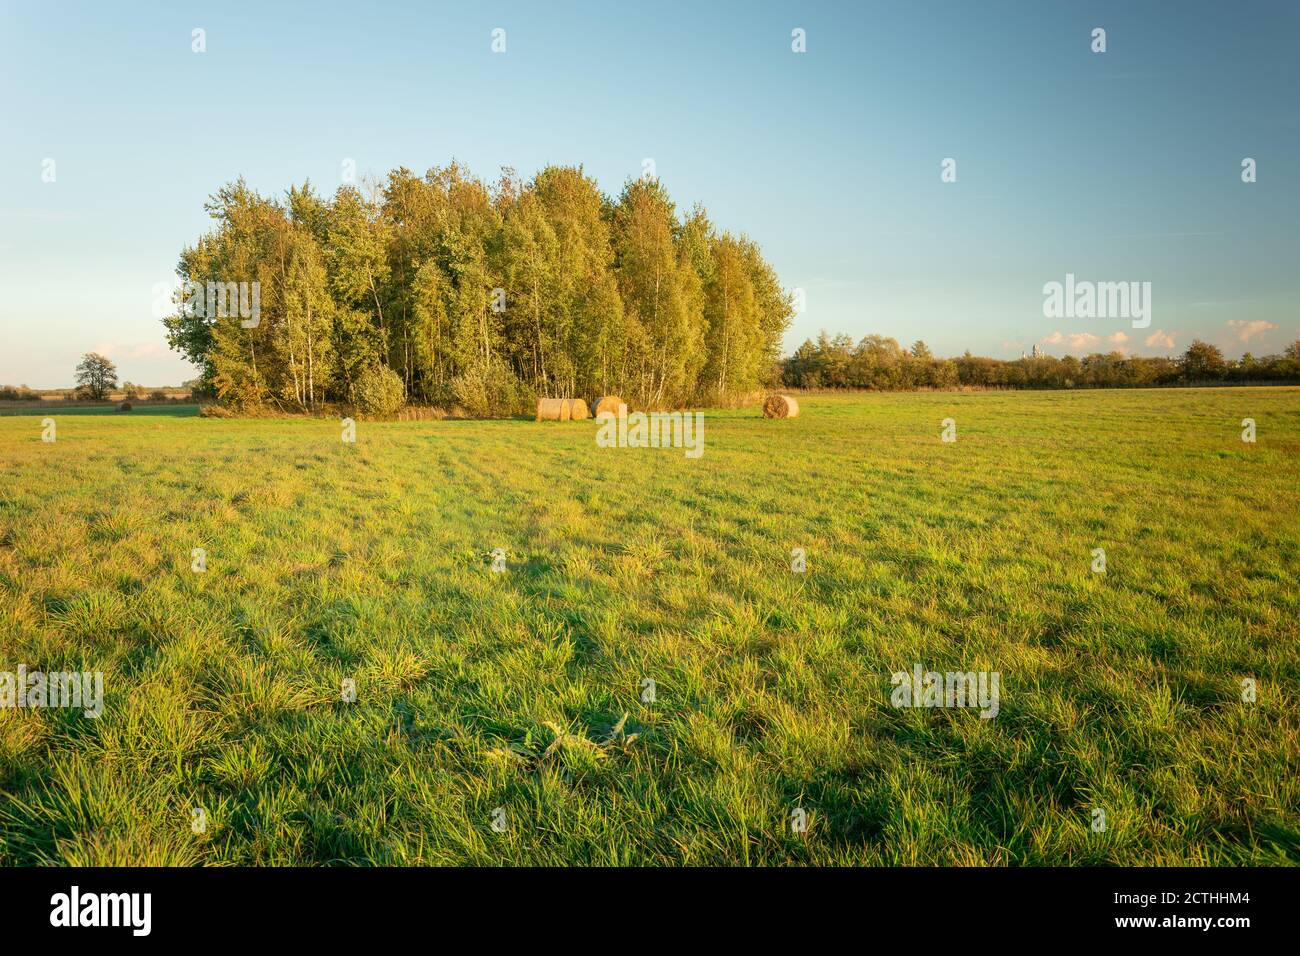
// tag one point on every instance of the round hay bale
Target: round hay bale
(124, 407)
(780, 406)
(550, 409)
(561, 410)
(607, 403)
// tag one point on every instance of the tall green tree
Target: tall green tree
(564, 310)
(662, 298)
(732, 335)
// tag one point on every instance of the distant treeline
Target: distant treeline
(18, 393)
(441, 290)
(877, 362)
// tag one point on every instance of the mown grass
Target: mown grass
(522, 690)
(54, 409)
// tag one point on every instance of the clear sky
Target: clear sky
(1115, 166)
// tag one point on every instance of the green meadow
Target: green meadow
(507, 717)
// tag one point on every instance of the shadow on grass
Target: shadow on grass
(170, 411)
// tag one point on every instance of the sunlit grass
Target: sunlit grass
(522, 690)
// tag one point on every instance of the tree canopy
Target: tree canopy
(96, 376)
(480, 296)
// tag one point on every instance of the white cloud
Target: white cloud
(1117, 338)
(1249, 330)
(1159, 339)
(1074, 342)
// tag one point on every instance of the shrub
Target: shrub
(124, 407)
(18, 393)
(492, 390)
(379, 391)
(158, 396)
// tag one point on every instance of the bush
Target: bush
(18, 393)
(158, 396)
(379, 391)
(124, 407)
(492, 390)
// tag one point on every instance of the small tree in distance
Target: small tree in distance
(96, 376)
(1203, 361)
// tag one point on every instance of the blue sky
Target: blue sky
(1118, 166)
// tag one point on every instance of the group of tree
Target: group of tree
(877, 362)
(18, 393)
(443, 290)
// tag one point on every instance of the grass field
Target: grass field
(523, 690)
